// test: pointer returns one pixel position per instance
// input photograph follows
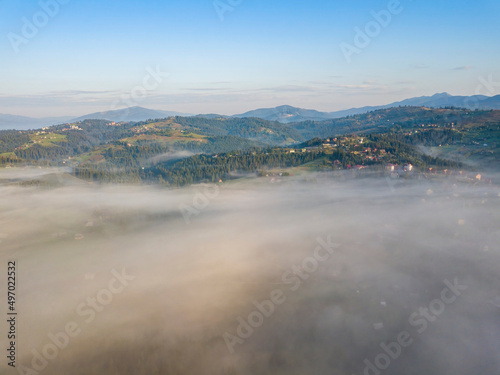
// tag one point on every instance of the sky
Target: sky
(70, 58)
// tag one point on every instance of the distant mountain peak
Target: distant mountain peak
(134, 113)
(284, 113)
(441, 95)
(288, 114)
(286, 107)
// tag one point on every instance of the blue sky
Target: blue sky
(91, 55)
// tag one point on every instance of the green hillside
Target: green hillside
(183, 150)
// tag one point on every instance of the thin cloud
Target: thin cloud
(465, 67)
(206, 89)
(288, 88)
(82, 92)
(420, 66)
(404, 82)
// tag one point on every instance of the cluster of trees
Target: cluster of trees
(209, 168)
(107, 173)
(142, 153)
(198, 168)
(10, 159)
(223, 144)
(402, 152)
(122, 155)
(39, 152)
(348, 158)
(433, 137)
(10, 139)
(390, 120)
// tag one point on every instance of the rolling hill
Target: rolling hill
(286, 114)
(129, 114)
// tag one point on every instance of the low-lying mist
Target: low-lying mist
(322, 275)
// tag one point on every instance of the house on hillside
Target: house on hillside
(390, 167)
(408, 167)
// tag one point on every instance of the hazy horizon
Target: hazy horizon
(189, 113)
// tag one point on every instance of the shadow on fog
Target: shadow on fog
(190, 284)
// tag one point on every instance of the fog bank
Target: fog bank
(157, 281)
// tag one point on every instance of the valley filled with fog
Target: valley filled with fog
(317, 273)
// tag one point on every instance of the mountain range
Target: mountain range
(285, 114)
(288, 114)
(24, 123)
(120, 115)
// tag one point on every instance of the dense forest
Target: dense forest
(10, 139)
(396, 119)
(200, 168)
(212, 168)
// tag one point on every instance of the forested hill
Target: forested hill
(92, 139)
(454, 134)
(398, 119)
(373, 152)
(251, 128)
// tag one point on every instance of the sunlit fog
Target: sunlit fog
(315, 274)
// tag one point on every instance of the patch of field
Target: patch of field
(45, 140)
(160, 125)
(94, 156)
(176, 136)
(8, 155)
(312, 166)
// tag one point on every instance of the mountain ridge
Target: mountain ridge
(285, 114)
(281, 113)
